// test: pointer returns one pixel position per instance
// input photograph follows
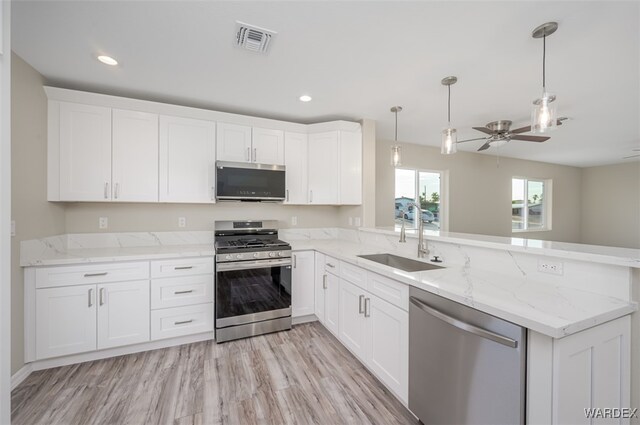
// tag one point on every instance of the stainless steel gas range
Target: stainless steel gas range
(253, 279)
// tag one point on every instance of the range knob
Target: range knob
(227, 257)
(280, 253)
(255, 255)
(239, 256)
(272, 254)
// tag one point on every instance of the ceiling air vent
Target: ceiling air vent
(253, 38)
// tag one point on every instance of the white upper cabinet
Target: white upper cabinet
(295, 156)
(241, 143)
(187, 160)
(135, 156)
(234, 143)
(322, 166)
(85, 152)
(350, 168)
(268, 146)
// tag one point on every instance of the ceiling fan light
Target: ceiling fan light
(543, 114)
(396, 155)
(449, 141)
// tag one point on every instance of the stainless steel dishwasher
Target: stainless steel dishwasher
(465, 366)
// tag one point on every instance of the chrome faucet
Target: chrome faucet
(423, 251)
(403, 231)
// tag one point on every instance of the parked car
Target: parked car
(426, 215)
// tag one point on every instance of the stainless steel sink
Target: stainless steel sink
(406, 264)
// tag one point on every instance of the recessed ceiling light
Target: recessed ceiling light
(305, 98)
(107, 60)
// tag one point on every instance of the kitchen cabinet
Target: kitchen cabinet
(302, 283)
(295, 157)
(350, 171)
(65, 320)
(332, 303)
(353, 324)
(84, 133)
(241, 143)
(320, 290)
(327, 292)
(123, 313)
(187, 160)
(135, 156)
(323, 168)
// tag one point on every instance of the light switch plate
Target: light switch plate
(103, 222)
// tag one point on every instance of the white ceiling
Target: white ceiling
(357, 59)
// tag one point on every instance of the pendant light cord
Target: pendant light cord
(544, 60)
(396, 126)
(449, 106)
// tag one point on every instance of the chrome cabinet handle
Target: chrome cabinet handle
(101, 296)
(117, 190)
(255, 154)
(183, 292)
(91, 297)
(95, 274)
(295, 261)
(182, 267)
(249, 154)
(106, 189)
(360, 304)
(467, 327)
(183, 322)
(324, 281)
(287, 195)
(331, 265)
(367, 307)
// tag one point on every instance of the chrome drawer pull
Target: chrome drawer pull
(183, 322)
(331, 265)
(95, 274)
(360, 306)
(182, 267)
(183, 292)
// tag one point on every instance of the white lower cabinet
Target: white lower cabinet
(65, 320)
(332, 303)
(320, 292)
(179, 321)
(353, 325)
(123, 313)
(302, 283)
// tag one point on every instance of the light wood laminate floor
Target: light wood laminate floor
(303, 376)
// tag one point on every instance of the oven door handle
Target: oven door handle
(258, 264)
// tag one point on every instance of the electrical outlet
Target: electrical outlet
(358, 224)
(294, 220)
(182, 221)
(13, 228)
(551, 267)
(103, 222)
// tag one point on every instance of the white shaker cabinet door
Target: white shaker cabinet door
(123, 313)
(295, 157)
(268, 146)
(350, 168)
(135, 156)
(85, 152)
(332, 304)
(302, 283)
(323, 168)
(65, 320)
(187, 160)
(352, 322)
(234, 143)
(320, 287)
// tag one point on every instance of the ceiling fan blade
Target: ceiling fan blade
(471, 140)
(484, 147)
(530, 138)
(483, 129)
(521, 130)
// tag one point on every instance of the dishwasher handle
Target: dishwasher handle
(467, 327)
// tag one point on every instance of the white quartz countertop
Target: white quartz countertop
(549, 309)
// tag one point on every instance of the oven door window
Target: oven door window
(250, 291)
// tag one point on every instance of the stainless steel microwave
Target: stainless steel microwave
(239, 181)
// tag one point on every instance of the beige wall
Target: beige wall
(34, 216)
(480, 190)
(611, 205)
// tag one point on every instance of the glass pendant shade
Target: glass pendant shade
(449, 141)
(396, 155)
(543, 115)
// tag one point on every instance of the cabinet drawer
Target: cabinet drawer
(353, 274)
(389, 290)
(181, 267)
(179, 321)
(181, 291)
(331, 265)
(88, 274)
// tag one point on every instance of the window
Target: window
(530, 204)
(425, 186)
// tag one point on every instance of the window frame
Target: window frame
(547, 192)
(444, 195)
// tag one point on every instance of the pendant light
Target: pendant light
(449, 134)
(543, 113)
(396, 153)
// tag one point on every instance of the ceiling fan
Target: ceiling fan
(633, 156)
(500, 131)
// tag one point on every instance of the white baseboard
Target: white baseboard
(303, 319)
(22, 374)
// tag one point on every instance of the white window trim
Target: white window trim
(548, 196)
(444, 193)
